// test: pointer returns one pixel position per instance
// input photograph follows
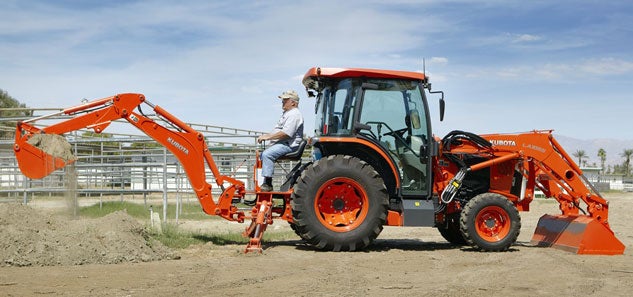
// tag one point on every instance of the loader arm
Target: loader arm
(543, 163)
(186, 144)
(548, 167)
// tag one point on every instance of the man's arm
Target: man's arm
(279, 135)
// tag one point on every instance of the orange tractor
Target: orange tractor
(376, 163)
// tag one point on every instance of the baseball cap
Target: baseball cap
(290, 94)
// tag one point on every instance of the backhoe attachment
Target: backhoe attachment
(41, 149)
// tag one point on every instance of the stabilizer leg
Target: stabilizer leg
(262, 217)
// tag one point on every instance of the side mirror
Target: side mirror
(442, 103)
(442, 107)
(414, 116)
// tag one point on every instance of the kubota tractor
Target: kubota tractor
(376, 163)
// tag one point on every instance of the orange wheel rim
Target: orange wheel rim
(341, 204)
(492, 223)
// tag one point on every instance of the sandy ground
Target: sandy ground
(402, 262)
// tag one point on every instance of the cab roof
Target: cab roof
(310, 77)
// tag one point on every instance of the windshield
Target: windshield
(389, 105)
(394, 106)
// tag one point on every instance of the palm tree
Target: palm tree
(627, 160)
(602, 154)
(580, 154)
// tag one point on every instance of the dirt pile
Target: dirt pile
(31, 238)
(52, 144)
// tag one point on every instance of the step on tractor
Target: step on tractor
(375, 163)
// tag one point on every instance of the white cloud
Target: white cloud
(583, 69)
(438, 60)
(606, 66)
(530, 43)
(519, 38)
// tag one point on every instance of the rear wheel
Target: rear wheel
(294, 228)
(490, 222)
(339, 204)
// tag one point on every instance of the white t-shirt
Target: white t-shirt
(291, 123)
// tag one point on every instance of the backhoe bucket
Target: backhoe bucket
(42, 154)
(578, 234)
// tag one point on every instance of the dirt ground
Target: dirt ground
(402, 262)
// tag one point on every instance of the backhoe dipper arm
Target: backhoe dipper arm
(187, 144)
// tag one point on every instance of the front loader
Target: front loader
(376, 163)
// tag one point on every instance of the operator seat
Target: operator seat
(295, 172)
(295, 155)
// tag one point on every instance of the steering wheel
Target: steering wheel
(397, 133)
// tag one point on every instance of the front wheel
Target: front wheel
(339, 204)
(490, 222)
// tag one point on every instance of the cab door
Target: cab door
(397, 114)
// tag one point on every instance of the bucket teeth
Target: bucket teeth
(578, 234)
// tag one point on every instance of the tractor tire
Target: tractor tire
(293, 226)
(339, 204)
(490, 222)
(451, 231)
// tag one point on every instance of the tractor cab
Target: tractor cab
(380, 117)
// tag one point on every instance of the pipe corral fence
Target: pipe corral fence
(133, 166)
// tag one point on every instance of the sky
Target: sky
(505, 66)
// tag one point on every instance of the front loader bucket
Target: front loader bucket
(42, 154)
(578, 234)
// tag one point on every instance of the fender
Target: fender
(370, 146)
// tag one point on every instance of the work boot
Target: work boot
(266, 188)
(250, 202)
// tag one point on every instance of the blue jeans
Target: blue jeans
(271, 154)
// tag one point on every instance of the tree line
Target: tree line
(10, 111)
(623, 168)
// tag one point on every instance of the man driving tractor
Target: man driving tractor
(285, 137)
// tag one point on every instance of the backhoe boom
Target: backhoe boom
(186, 144)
